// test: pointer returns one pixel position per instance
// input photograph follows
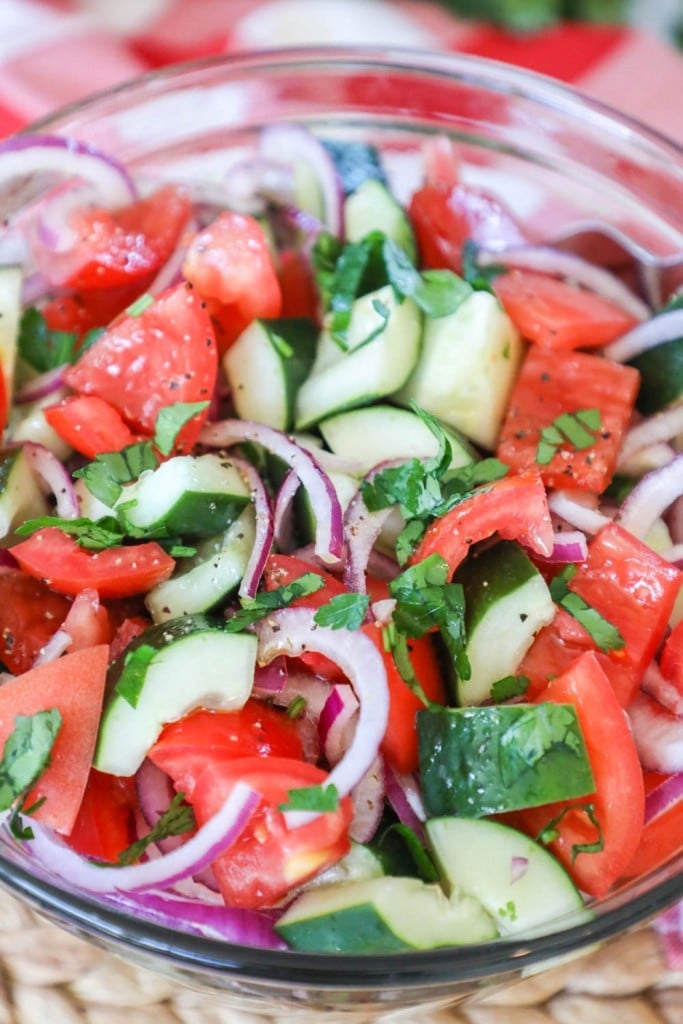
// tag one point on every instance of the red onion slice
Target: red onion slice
(329, 539)
(518, 868)
(58, 643)
(283, 512)
(368, 801)
(291, 144)
(663, 426)
(569, 546)
(212, 920)
(42, 386)
(293, 631)
(53, 478)
(263, 540)
(24, 155)
(655, 331)
(547, 260)
(658, 734)
(53, 227)
(651, 497)
(664, 692)
(208, 843)
(403, 793)
(361, 530)
(271, 678)
(664, 796)
(567, 505)
(337, 722)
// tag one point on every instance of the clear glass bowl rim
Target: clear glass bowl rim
(348, 972)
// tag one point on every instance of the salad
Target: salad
(341, 552)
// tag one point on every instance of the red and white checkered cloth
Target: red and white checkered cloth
(56, 51)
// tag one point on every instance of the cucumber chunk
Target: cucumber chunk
(266, 366)
(209, 576)
(661, 376)
(20, 496)
(193, 496)
(382, 353)
(372, 207)
(381, 432)
(498, 758)
(521, 885)
(382, 915)
(467, 368)
(167, 672)
(507, 602)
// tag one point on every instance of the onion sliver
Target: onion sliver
(329, 538)
(368, 801)
(655, 331)
(403, 793)
(663, 426)
(292, 144)
(208, 843)
(548, 260)
(337, 722)
(658, 734)
(212, 920)
(264, 527)
(574, 512)
(40, 387)
(53, 477)
(293, 631)
(569, 546)
(663, 691)
(23, 155)
(651, 497)
(668, 793)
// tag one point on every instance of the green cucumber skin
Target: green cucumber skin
(661, 376)
(356, 929)
(505, 565)
(372, 207)
(489, 760)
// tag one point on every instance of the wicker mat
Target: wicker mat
(48, 976)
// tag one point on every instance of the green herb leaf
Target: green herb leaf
(312, 798)
(344, 611)
(26, 753)
(402, 852)
(266, 601)
(170, 421)
(177, 819)
(438, 293)
(550, 832)
(94, 535)
(41, 347)
(142, 303)
(135, 667)
(479, 278)
(577, 430)
(509, 687)
(606, 636)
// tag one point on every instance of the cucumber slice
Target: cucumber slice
(266, 366)
(467, 368)
(210, 576)
(382, 915)
(20, 496)
(359, 864)
(169, 671)
(10, 315)
(378, 433)
(507, 602)
(28, 423)
(372, 207)
(521, 885)
(661, 376)
(191, 496)
(370, 369)
(498, 758)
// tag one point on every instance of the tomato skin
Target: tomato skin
(120, 247)
(399, 745)
(126, 631)
(619, 798)
(89, 425)
(299, 293)
(445, 218)
(58, 560)
(164, 355)
(514, 507)
(80, 311)
(633, 588)
(103, 825)
(551, 383)
(74, 684)
(256, 730)
(30, 613)
(671, 660)
(268, 859)
(230, 264)
(557, 315)
(662, 835)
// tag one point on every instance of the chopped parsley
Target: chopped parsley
(25, 757)
(177, 819)
(550, 831)
(44, 348)
(509, 687)
(606, 636)
(266, 601)
(343, 611)
(320, 799)
(577, 429)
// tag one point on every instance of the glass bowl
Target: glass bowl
(557, 159)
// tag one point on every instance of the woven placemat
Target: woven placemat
(48, 976)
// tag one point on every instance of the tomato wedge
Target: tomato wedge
(230, 264)
(663, 832)
(30, 613)
(103, 826)
(163, 355)
(58, 560)
(551, 383)
(257, 729)
(268, 859)
(89, 425)
(619, 799)
(514, 507)
(558, 315)
(74, 684)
